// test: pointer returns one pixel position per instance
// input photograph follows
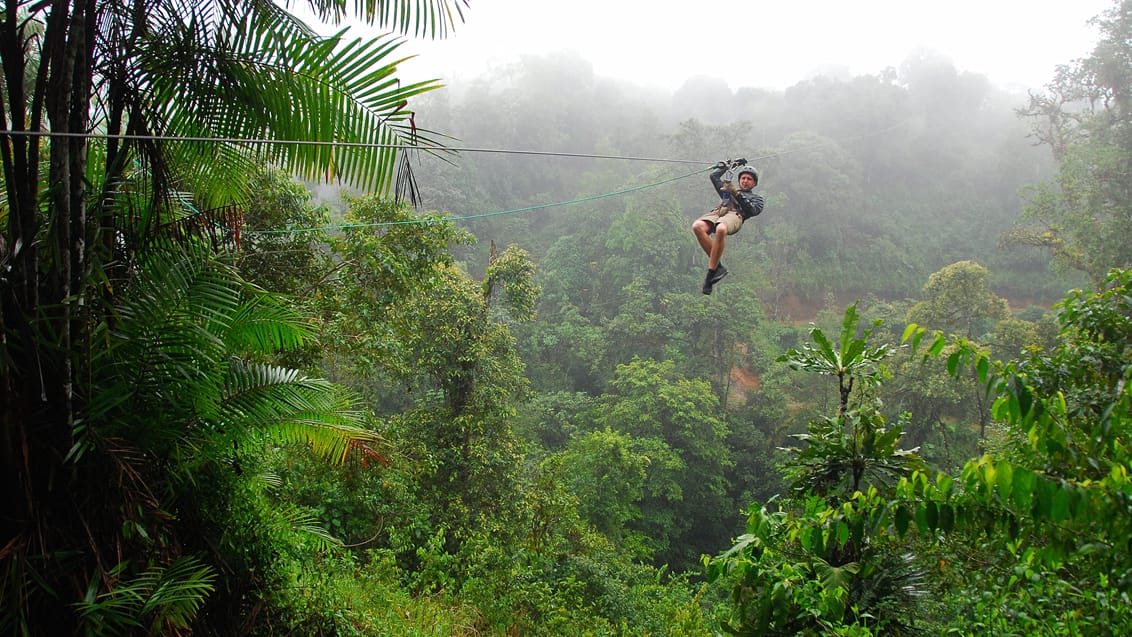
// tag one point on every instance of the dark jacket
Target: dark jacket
(748, 204)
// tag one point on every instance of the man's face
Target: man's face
(746, 181)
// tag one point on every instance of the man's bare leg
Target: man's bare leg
(702, 230)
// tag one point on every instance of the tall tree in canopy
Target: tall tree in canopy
(958, 299)
(1082, 216)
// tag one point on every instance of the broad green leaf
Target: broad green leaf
(922, 519)
(988, 474)
(902, 519)
(817, 543)
(944, 483)
(953, 363)
(1059, 509)
(931, 515)
(825, 347)
(842, 530)
(849, 326)
(937, 346)
(1044, 492)
(1004, 478)
(909, 331)
(946, 518)
(1023, 490)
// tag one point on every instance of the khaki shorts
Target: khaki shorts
(727, 217)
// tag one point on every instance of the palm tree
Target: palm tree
(177, 403)
(123, 124)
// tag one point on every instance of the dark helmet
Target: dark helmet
(750, 170)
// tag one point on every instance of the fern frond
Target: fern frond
(163, 347)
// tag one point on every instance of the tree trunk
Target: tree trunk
(44, 330)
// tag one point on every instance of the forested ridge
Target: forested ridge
(449, 371)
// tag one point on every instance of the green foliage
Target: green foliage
(846, 454)
(446, 332)
(565, 351)
(957, 299)
(515, 270)
(384, 256)
(593, 590)
(716, 336)
(549, 420)
(128, 367)
(651, 401)
(1013, 336)
(828, 562)
(282, 237)
(364, 596)
(458, 360)
(1055, 504)
(300, 86)
(156, 600)
(643, 246)
(939, 411)
(606, 475)
(855, 450)
(163, 379)
(386, 253)
(852, 358)
(1081, 215)
(183, 323)
(821, 570)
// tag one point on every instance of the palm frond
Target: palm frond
(157, 598)
(182, 324)
(166, 334)
(431, 18)
(249, 70)
(264, 324)
(305, 524)
(291, 407)
(266, 77)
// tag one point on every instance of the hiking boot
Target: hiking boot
(720, 272)
(708, 281)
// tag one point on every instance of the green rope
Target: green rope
(428, 220)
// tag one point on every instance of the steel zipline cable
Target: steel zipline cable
(428, 220)
(431, 220)
(336, 144)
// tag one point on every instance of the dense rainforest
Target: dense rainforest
(290, 347)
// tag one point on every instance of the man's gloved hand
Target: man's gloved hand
(721, 165)
(730, 188)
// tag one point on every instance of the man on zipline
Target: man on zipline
(737, 205)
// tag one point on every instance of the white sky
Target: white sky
(662, 43)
